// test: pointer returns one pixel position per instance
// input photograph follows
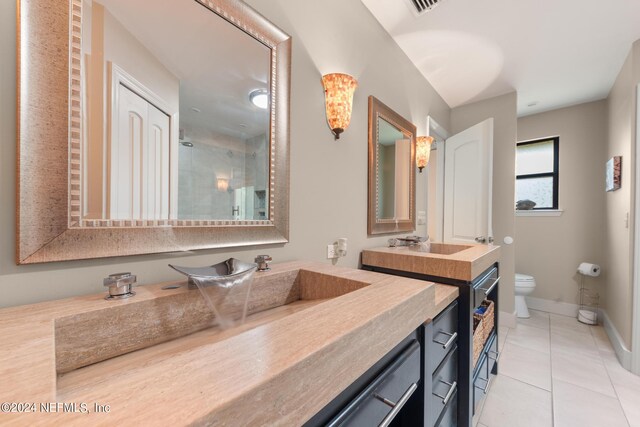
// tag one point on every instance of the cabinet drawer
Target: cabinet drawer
(480, 382)
(492, 353)
(485, 286)
(445, 385)
(386, 395)
(449, 417)
(445, 336)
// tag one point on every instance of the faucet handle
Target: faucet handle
(120, 285)
(263, 262)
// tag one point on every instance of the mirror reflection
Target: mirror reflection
(392, 177)
(393, 152)
(176, 114)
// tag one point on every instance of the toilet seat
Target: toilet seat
(525, 285)
(524, 281)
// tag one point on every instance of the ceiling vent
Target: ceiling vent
(420, 7)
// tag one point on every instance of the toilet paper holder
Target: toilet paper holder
(589, 269)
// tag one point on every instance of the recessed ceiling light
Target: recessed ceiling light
(260, 98)
(195, 109)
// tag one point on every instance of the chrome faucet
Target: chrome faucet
(407, 241)
(120, 285)
(263, 262)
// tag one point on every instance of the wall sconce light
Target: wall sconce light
(223, 184)
(423, 151)
(338, 94)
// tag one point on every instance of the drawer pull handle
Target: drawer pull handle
(488, 290)
(396, 406)
(452, 338)
(486, 387)
(452, 388)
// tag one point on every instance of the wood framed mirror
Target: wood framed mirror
(392, 174)
(140, 131)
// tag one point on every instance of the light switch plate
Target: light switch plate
(422, 218)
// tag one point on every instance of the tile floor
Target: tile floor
(555, 371)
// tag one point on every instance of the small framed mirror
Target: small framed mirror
(392, 175)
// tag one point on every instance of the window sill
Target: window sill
(540, 212)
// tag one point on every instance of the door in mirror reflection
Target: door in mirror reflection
(393, 170)
(170, 130)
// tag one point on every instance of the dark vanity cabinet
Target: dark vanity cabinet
(454, 384)
(415, 384)
(390, 393)
(441, 369)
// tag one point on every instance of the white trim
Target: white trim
(622, 352)
(434, 129)
(540, 212)
(635, 314)
(440, 135)
(507, 319)
(555, 307)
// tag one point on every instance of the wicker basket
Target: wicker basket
(482, 327)
(478, 338)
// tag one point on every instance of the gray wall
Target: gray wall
(551, 247)
(618, 236)
(328, 178)
(503, 110)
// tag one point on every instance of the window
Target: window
(537, 172)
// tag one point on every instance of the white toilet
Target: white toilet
(524, 286)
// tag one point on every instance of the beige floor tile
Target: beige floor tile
(573, 343)
(567, 323)
(530, 337)
(589, 386)
(502, 338)
(602, 339)
(581, 371)
(538, 319)
(515, 404)
(630, 401)
(575, 406)
(627, 387)
(527, 365)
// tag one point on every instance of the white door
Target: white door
(468, 178)
(139, 160)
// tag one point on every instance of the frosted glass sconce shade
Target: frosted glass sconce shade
(423, 151)
(223, 184)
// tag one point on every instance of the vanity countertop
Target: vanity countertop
(465, 264)
(279, 368)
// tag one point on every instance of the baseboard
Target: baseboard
(555, 307)
(507, 319)
(623, 353)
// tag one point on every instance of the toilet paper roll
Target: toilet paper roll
(589, 269)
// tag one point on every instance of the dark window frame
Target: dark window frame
(554, 174)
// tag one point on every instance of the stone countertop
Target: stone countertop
(279, 368)
(465, 264)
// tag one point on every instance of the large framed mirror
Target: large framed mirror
(392, 175)
(149, 127)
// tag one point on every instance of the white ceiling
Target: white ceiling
(554, 53)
